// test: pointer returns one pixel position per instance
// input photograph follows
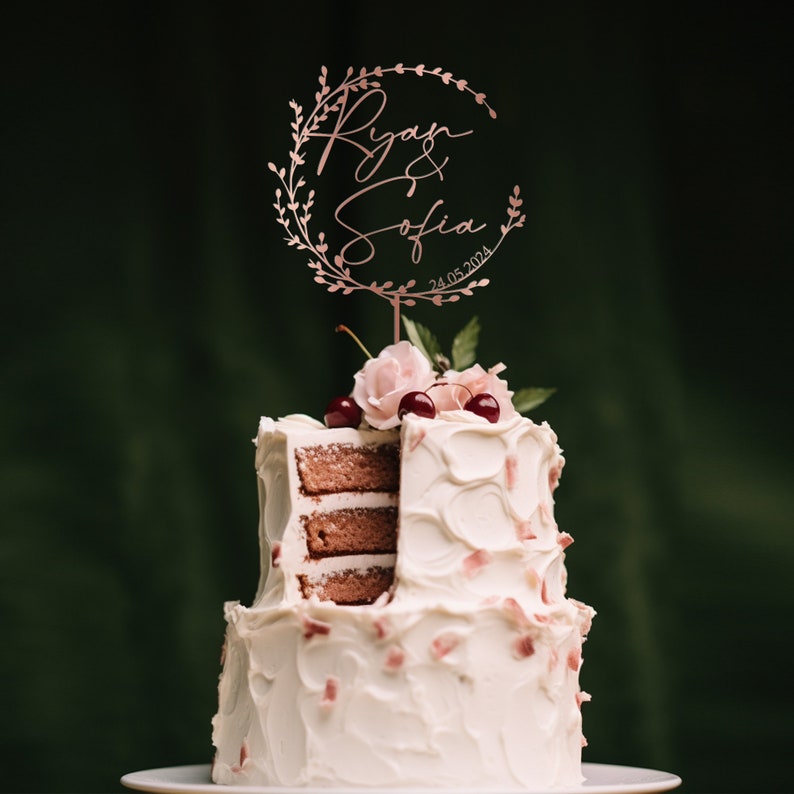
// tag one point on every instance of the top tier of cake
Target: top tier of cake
(474, 502)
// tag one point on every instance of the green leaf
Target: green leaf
(422, 337)
(526, 399)
(464, 345)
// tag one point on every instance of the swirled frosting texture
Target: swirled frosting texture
(476, 512)
(467, 676)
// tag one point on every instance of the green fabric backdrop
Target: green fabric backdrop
(152, 313)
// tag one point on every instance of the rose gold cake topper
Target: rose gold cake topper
(349, 120)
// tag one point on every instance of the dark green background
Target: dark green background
(151, 313)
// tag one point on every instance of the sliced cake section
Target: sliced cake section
(328, 502)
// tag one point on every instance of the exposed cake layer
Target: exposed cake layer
(356, 530)
(328, 511)
(349, 586)
(348, 467)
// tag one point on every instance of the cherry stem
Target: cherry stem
(355, 339)
(447, 383)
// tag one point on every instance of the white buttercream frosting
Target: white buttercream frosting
(466, 674)
(471, 495)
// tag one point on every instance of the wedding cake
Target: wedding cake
(411, 626)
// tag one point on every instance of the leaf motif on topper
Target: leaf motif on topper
(329, 122)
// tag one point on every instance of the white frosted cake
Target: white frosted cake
(411, 626)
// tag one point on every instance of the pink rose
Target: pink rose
(476, 380)
(382, 382)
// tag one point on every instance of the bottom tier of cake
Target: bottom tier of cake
(324, 695)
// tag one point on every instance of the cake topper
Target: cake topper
(349, 124)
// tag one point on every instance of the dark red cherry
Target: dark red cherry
(342, 412)
(484, 405)
(416, 402)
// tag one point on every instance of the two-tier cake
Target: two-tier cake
(411, 625)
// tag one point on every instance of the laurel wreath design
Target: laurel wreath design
(294, 203)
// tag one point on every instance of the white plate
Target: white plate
(599, 779)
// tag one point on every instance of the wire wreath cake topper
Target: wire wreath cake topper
(335, 122)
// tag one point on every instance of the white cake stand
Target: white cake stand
(599, 779)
